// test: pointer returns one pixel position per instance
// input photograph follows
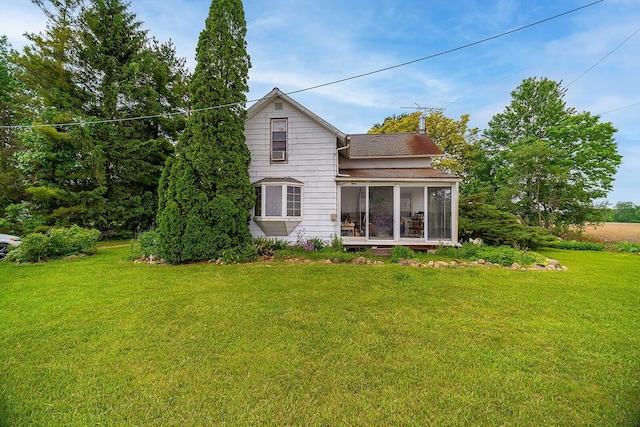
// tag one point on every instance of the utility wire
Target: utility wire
(603, 58)
(358, 76)
(576, 79)
(445, 52)
(618, 109)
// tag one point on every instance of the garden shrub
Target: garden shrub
(72, 240)
(150, 243)
(313, 244)
(56, 243)
(502, 255)
(401, 252)
(337, 243)
(234, 255)
(628, 246)
(576, 246)
(267, 246)
(318, 243)
(34, 248)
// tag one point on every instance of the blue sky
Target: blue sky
(296, 44)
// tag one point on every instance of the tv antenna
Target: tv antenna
(424, 110)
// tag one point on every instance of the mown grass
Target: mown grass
(102, 341)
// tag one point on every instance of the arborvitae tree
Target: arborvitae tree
(205, 193)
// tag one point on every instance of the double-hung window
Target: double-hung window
(294, 201)
(278, 140)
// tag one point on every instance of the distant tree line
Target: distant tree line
(624, 212)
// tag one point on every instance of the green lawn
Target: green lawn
(102, 341)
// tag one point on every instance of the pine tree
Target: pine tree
(205, 192)
(124, 74)
(95, 63)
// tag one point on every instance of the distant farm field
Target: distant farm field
(614, 231)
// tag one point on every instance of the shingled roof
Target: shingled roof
(392, 145)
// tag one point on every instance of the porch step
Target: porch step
(381, 251)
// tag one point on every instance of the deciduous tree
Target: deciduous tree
(546, 162)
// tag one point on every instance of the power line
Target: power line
(445, 52)
(618, 109)
(603, 58)
(358, 76)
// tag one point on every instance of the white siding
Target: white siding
(311, 159)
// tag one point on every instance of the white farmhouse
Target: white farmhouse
(311, 179)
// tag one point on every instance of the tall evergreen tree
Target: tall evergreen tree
(95, 63)
(205, 193)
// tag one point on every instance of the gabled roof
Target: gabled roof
(277, 93)
(369, 146)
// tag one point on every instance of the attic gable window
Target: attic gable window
(278, 140)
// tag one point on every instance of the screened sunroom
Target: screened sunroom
(387, 213)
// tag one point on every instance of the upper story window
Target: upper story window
(278, 140)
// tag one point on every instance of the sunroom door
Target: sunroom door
(381, 210)
(440, 214)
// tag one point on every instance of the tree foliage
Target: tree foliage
(12, 98)
(95, 64)
(205, 192)
(546, 162)
(625, 212)
(478, 219)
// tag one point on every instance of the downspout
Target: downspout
(338, 160)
